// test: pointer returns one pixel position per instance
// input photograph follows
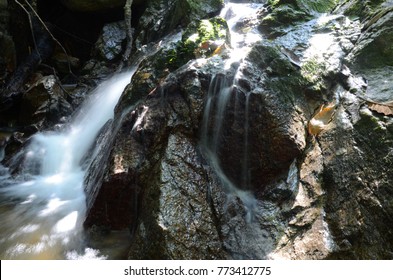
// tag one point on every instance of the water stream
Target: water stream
(219, 96)
(43, 211)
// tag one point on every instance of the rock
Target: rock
(371, 57)
(178, 51)
(109, 45)
(162, 17)
(261, 103)
(65, 63)
(177, 211)
(275, 191)
(374, 47)
(358, 208)
(360, 9)
(44, 102)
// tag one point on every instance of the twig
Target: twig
(30, 23)
(47, 29)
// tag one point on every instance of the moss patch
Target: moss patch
(362, 9)
(320, 6)
(201, 38)
(313, 71)
(280, 17)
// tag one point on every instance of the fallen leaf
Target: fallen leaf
(321, 119)
(219, 49)
(383, 108)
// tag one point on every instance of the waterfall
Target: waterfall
(42, 213)
(220, 93)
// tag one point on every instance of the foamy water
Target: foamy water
(42, 214)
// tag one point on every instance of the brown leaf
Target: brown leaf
(321, 119)
(383, 108)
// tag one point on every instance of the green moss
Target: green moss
(201, 9)
(313, 71)
(282, 16)
(321, 6)
(371, 134)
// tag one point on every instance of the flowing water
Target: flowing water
(219, 96)
(43, 211)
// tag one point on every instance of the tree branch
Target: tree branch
(129, 33)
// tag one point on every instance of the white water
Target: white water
(42, 215)
(219, 95)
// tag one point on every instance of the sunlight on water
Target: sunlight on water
(243, 36)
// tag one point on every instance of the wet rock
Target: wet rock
(177, 210)
(45, 102)
(170, 205)
(374, 48)
(200, 39)
(358, 208)
(371, 57)
(261, 112)
(281, 15)
(360, 9)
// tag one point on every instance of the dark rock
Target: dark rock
(263, 115)
(360, 9)
(93, 5)
(176, 52)
(162, 17)
(45, 101)
(110, 43)
(374, 47)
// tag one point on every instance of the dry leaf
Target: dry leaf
(219, 49)
(321, 119)
(383, 108)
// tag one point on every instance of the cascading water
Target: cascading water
(219, 96)
(42, 213)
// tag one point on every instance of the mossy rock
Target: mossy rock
(162, 17)
(360, 8)
(374, 49)
(320, 6)
(199, 9)
(281, 16)
(314, 71)
(309, 6)
(200, 38)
